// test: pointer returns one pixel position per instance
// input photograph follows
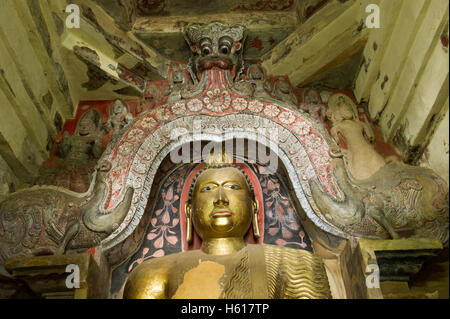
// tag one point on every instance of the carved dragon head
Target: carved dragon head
(215, 45)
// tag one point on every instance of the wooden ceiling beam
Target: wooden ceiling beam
(253, 21)
(106, 25)
(320, 43)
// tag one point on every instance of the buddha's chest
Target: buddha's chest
(214, 278)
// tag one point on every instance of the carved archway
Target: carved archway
(302, 147)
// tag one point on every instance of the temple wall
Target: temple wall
(404, 79)
(35, 94)
(436, 154)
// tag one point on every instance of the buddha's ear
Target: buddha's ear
(187, 212)
(255, 206)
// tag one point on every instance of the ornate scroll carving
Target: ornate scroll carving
(47, 220)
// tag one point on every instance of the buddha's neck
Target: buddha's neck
(222, 246)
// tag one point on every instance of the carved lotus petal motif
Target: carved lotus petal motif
(179, 108)
(271, 110)
(162, 114)
(125, 149)
(255, 106)
(301, 128)
(140, 168)
(217, 101)
(135, 135)
(195, 105)
(286, 117)
(239, 104)
(148, 123)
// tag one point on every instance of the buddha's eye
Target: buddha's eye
(233, 186)
(207, 188)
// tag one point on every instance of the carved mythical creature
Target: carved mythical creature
(362, 159)
(380, 199)
(213, 46)
(282, 91)
(397, 201)
(47, 220)
(221, 210)
(313, 105)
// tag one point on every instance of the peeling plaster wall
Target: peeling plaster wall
(404, 79)
(8, 181)
(437, 153)
(36, 96)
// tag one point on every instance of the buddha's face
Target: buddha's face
(221, 203)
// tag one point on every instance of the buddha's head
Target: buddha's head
(222, 203)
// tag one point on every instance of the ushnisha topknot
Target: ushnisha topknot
(217, 160)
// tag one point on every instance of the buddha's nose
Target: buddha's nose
(221, 198)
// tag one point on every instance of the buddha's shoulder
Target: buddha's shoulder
(166, 262)
(150, 278)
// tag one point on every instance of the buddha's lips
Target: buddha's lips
(217, 62)
(221, 213)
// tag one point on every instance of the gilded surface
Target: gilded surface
(221, 209)
(295, 274)
(288, 273)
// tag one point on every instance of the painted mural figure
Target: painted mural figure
(221, 209)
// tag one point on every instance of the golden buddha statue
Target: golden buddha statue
(221, 209)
